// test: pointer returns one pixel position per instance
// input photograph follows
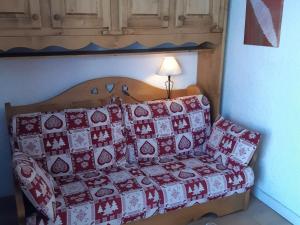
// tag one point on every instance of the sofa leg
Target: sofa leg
(247, 200)
(20, 205)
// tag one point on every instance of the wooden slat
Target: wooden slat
(219, 207)
(210, 73)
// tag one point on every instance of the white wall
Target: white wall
(29, 80)
(262, 90)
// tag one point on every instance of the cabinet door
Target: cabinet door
(144, 14)
(81, 14)
(21, 14)
(200, 15)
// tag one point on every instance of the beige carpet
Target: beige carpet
(257, 214)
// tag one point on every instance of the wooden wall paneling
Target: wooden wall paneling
(219, 8)
(210, 69)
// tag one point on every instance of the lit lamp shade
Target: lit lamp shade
(169, 67)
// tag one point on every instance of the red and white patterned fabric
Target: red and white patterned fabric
(231, 144)
(168, 127)
(72, 141)
(35, 183)
(123, 194)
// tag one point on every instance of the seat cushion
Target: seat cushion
(123, 194)
(168, 127)
(72, 141)
(232, 144)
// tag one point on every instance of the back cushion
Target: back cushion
(232, 144)
(72, 141)
(168, 127)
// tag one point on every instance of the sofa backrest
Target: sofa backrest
(168, 127)
(73, 140)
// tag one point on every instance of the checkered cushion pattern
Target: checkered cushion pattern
(124, 194)
(36, 184)
(72, 141)
(231, 144)
(167, 127)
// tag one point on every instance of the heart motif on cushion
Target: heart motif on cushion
(165, 160)
(91, 174)
(147, 149)
(175, 107)
(185, 175)
(98, 117)
(58, 204)
(146, 181)
(204, 101)
(140, 111)
(220, 164)
(184, 143)
(104, 157)
(26, 171)
(236, 129)
(59, 166)
(104, 191)
(53, 122)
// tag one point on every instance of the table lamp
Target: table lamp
(169, 67)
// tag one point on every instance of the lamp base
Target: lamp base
(169, 86)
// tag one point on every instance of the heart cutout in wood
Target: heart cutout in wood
(110, 87)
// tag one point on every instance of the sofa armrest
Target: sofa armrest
(35, 183)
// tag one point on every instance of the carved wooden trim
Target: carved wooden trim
(109, 41)
(94, 93)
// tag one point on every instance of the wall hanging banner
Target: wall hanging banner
(263, 22)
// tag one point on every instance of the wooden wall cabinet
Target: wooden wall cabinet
(136, 16)
(201, 16)
(74, 24)
(79, 14)
(20, 14)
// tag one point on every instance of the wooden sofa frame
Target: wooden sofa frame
(100, 91)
